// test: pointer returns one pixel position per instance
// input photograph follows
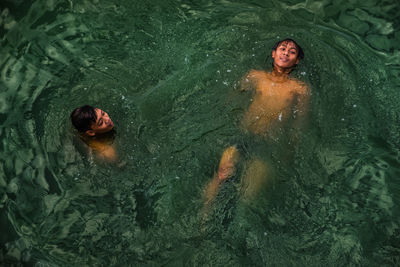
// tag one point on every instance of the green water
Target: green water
(168, 74)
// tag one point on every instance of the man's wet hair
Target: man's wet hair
(83, 117)
(300, 53)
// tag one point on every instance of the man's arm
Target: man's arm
(249, 80)
(303, 102)
(301, 109)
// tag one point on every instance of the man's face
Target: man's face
(103, 123)
(285, 55)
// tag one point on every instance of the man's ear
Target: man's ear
(273, 53)
(90, 133)
(297, 61)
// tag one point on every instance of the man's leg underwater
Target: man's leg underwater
(226, 169)
(254, 178)
(227, 164)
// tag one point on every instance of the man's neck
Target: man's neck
(280, 74)
(103, 137)
(278, 71)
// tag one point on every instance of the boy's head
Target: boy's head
(286, 54)
(91, 121)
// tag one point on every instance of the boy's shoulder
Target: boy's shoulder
(299, 86)
(257, 74)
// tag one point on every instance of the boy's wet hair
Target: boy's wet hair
(83, 117)
(300, 53)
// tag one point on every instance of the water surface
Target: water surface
(168, 74)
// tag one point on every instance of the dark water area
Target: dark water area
(168, 73)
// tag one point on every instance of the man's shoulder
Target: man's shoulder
(258, 74)
(300, 87)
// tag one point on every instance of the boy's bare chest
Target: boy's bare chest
(273, 91)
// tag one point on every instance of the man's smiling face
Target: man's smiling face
(286, 55)
(103, 123)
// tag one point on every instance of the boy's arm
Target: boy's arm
(303, 102)
(249, 80)
(301, 108)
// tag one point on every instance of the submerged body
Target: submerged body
(95, 129)
(277, 97)
(102, 147)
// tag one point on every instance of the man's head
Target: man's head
(91, 121)
(286, 54)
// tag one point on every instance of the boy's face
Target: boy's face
(103, 123)
(285, 55)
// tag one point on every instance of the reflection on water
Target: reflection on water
(168, 74)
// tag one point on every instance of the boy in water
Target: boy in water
(95, 129)
(276, 98)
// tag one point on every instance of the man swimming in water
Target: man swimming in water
(276, 98)
(95, 129)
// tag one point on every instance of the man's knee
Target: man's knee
(227, 163)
